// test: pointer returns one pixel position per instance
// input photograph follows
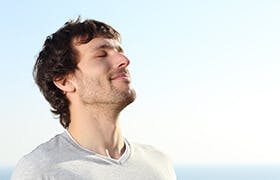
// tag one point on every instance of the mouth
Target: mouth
(121, 76)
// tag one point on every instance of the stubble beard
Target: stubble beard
(95, 93)
(123, 98)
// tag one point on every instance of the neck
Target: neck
(98, 130)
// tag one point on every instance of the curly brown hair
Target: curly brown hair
(58, 58)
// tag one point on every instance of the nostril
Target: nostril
(124, 61)
(123, 64)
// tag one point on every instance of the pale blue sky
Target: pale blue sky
(206, 73)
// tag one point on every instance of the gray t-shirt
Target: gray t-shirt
(61, 158)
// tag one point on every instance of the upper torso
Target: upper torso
(62, 158)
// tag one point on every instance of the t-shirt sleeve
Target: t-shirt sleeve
(26, 170)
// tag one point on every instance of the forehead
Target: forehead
(96, 43)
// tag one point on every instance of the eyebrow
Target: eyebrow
(109, 46)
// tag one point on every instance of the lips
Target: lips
(120, 76)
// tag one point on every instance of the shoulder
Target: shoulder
(145, 148)
(25, 169)
(154, 158)
(150, 152)
(39, 160)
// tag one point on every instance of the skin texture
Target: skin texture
(98, 91)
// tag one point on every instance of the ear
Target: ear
(64, 84)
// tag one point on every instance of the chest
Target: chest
(84, 170)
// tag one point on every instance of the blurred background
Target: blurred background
(206, 74)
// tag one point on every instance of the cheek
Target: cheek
(96, 72)
(101, 66)
(96, 77)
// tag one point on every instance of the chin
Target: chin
(127, 98)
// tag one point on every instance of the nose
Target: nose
(122, 61)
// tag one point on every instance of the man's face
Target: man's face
(102, 76)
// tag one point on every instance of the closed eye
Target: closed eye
(101, 53)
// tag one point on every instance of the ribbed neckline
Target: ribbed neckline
(120, 161)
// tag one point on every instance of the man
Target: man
(82, 72)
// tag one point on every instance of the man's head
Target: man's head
(84, 60)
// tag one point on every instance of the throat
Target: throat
(102, 137)
(115, 154)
